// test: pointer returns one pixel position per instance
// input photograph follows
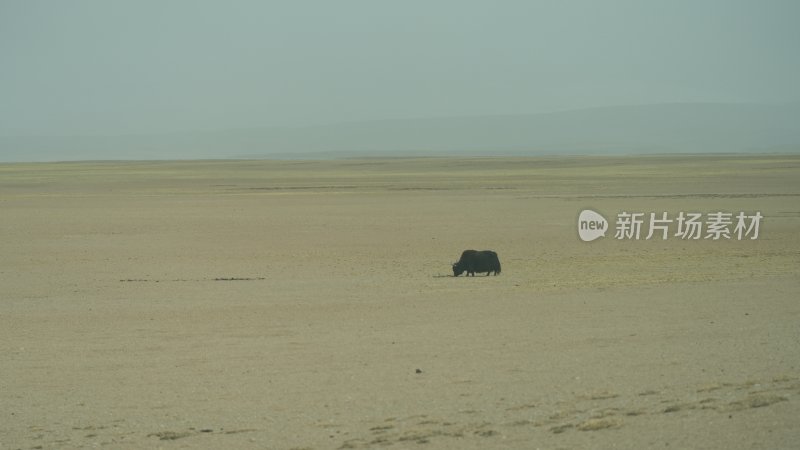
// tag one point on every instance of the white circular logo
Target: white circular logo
(591, 225)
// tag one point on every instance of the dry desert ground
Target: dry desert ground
(311, 305)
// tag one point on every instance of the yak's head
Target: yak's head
(458, 269)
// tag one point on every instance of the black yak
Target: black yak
(477, 261)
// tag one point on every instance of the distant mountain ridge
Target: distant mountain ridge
(645, 129)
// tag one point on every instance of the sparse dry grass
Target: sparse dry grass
(287, 304)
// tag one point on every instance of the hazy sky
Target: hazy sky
(106, 67)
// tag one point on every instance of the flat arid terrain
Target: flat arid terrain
(312, 305)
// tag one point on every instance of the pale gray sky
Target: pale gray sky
(108, 67)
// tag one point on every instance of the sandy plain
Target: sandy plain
(310, 305)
